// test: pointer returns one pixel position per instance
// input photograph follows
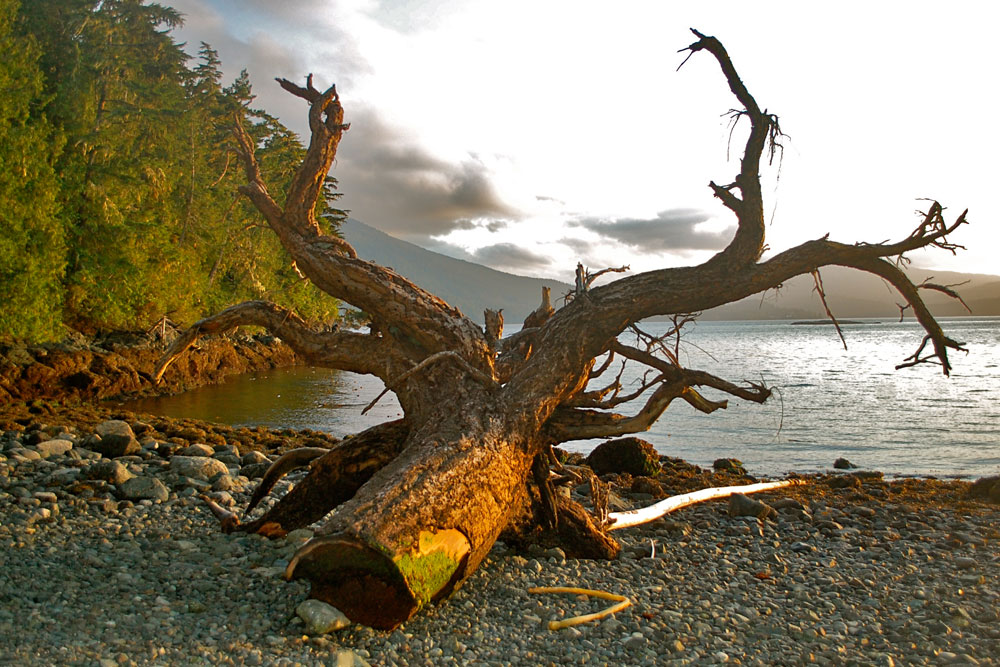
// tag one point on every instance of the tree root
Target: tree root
(284, 464)
(577, 534)
(336, 475)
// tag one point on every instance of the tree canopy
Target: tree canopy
(118, 176)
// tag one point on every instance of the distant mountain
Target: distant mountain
(471, 287)
(853, 293)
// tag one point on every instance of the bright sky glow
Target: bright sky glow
(512, 133)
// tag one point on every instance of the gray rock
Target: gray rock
(253, 457)
(23, 454)
(254, 470)
(965, 563)
(299, 535)
(144, 488)
(742, 505)
(108, 470)
(116, 439)
(228, 458)
(787, 504)
(49, 448)
(731, 465)
(197, 450)
(223, 483)
(347, 658)
(843, 464)
(198, 467)
(320, 618)
(224, 498)
(62, 477)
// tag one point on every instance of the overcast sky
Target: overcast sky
(528, 135)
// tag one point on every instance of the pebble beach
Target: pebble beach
(108, 556)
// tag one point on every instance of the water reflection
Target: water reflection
(299, 397)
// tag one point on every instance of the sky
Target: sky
(528, 135)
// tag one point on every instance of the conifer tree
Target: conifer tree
(32, 248)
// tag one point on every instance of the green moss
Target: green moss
(427, 574)
(431, 566)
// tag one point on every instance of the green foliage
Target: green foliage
(32, 247)
(131, 210)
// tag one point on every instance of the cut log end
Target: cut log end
(376, 587)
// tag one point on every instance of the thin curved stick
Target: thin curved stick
(622, 603)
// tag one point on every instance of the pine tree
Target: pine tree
(32, 247)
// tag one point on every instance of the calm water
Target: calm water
(828, 402)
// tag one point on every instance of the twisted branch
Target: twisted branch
(339, 349)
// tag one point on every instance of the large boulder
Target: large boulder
(116, 439)
(743, 505)
(110, 471)
(987, 488)
(50, 448)
(629, 455)
(144, 488)
(198, 467)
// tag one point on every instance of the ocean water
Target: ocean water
(828, 402)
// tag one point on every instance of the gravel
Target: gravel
(124, 565)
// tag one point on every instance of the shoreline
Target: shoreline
(871, 571)
(121, 365)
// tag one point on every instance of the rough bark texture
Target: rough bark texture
(425, 505)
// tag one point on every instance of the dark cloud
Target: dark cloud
(674, 230)
(388, 179)
(510, 256)
(391, 182)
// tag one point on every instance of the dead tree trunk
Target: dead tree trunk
(419, 503)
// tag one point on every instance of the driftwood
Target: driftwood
(420, 502)
(619, 520)
(621, 601)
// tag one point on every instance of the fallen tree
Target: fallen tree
(420, 502)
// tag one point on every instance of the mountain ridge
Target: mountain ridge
(471, 287)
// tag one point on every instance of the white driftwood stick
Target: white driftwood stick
(619, 520)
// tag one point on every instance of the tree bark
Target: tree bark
(419, 503)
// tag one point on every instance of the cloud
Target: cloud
(510, 256)
(674, 230)
(391, 182)
(388, 179)
(450, 249)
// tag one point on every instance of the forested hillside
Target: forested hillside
(118, 177)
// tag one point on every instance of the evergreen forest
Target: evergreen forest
(118, 176)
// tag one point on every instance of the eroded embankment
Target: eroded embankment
(123, 365)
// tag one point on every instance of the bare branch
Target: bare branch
(712, 284)
(946, 289)
(576, 424)
(748, 243)
(818, 280)
(345, 350)
(591, 277)
(255, 189)
(599, 371)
